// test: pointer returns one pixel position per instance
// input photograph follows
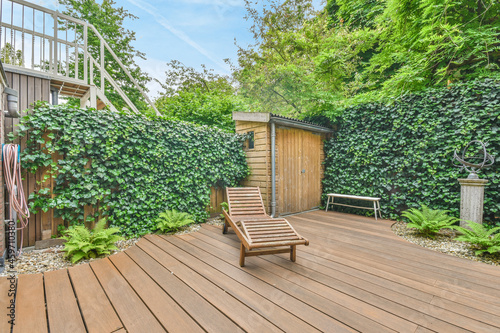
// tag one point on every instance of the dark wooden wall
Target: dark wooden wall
(30, 89)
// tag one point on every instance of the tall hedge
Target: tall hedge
(403, 152)
(128, 167)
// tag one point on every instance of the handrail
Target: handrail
(57, 61)
(110, 50)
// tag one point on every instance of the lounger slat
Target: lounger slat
(276, 244)
(244, 194)
(272, 225)
(265, 221)
(267, 232)
(252, 208)
(253, 231)
(273, 235)
(256, 204)
(235, 189)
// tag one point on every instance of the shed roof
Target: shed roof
(268, 117)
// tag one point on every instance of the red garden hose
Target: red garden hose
(12, 173)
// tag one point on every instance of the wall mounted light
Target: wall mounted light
(12, 105)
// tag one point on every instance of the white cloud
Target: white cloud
(156, 69)
(153, 11)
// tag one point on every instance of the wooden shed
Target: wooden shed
(293, 182)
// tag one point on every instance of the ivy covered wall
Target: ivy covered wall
(403, 152)
(127, 167)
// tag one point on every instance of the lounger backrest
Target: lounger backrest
(245, 201)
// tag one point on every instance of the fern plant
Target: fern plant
(172, 220)
(428, 221)
(82, 243)
(482, 239)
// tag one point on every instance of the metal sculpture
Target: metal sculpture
(481, 158)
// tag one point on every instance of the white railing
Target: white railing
(42, 40)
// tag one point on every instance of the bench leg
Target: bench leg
(293, 253)
(379, 214)
(327, 202)
(242, 255)
(375, 209)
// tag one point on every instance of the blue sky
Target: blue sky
(194, 32)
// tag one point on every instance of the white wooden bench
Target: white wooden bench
(376, 202)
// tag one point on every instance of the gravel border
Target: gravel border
(444, 243)
(52, 258)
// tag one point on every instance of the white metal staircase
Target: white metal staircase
(36, 40)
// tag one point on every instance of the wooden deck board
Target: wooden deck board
(237, 311)
(356, 275)
(173, 319)
(330, 306)
(134, 315)
(62, 309)
(296, 307)
(200, 309)
(97, 311)
(445, 276)
(30, 305)
(404, 250)
(260, 304)
(379, 306)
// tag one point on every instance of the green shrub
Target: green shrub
(402, 152)
(126, 167)
(82, 243)
(482, 239)
(427, 221)
(172, 220)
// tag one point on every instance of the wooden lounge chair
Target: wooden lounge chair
(258, 232)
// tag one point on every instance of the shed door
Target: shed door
(298, 170)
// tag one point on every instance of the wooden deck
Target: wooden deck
(356, 275)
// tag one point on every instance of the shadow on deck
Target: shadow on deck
(355, 276)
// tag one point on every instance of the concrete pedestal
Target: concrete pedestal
(471, 200)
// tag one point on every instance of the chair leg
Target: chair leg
(293, 253)
(242, 255)
(224, 227)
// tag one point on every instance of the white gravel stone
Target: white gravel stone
(52, 258)
(444, 242)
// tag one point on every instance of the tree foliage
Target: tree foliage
(201, 97)
(306, 63)
(8, 55)
(109, 20)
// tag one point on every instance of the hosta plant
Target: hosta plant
(172, 220)
(428, 221)
(82, 243)
(481, 239)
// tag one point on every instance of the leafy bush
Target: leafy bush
(429, 221)
(127, 167)
(482, 239)
(172, 220)
(82, 243)
(403, 152)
